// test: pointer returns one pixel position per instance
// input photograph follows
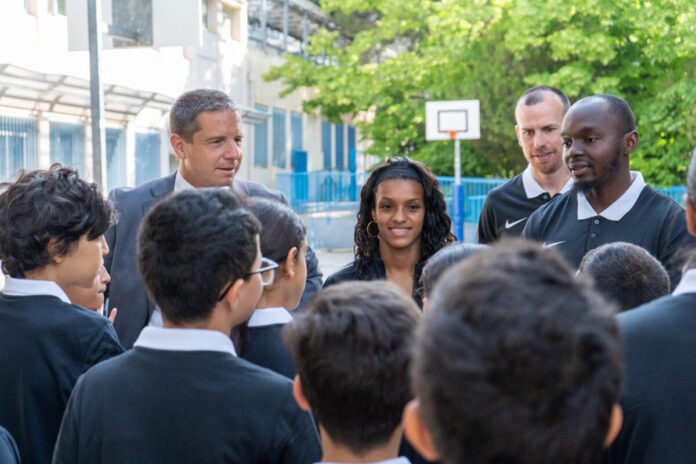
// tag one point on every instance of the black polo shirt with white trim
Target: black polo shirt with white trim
(642, 216)
(507, 207)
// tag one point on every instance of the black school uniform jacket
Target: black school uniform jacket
(659, 386)
(45, 345)
(151, 405)
(263, 346)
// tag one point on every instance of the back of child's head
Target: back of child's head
(351, 346)
(48, 207)
(281, 228)
(517, 361)
(191, 245)
(626, 274)
(444, 259)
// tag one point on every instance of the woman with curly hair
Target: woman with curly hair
(400, 200)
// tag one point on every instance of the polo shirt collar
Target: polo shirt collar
(399, 460)
(533, 189)
(31, 287)
(269, 316)
(687, 284)
(169, 339)
(620, 207)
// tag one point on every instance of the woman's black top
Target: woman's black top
(375, 271)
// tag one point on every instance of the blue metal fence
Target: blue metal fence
(328, 202)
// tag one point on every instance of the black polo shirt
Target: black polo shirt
(642, 216)
(507, 207)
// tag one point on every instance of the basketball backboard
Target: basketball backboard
(458, 116)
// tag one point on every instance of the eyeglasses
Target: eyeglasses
(266, 271)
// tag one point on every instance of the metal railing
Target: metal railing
(328, 202)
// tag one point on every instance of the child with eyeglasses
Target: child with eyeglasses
(283, 274)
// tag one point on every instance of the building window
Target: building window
(147, 156)
(56, 7)
(115, 158)
(295, 135)
(231, 24)
(204, 14)
(68, 145)
(351, 138)
(326, 143)
(261, 140)
(340, 166)
(279, 138)
(18, 145)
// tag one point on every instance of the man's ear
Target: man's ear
(299, 394)
(289, 263)
(517, 131)
(232, 295)
(178, 145)
(416, 432)
(615, 423)
(630, 142)
(690, 215)
(52, 249)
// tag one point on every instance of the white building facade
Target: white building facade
(44, 92)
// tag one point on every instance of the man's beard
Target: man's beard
(588, 185)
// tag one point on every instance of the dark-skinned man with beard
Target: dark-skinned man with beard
(608, 202)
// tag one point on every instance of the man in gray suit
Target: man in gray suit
(206, 134)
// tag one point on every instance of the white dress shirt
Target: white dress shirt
(31, 287)
(171, 339)
(269, 316)
(687, 284)
(399, 460)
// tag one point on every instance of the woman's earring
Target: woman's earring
(370, 234)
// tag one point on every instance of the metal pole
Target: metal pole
(264, 23)
(305, 33)
(286, 15)
(96, 90)
(458, 193)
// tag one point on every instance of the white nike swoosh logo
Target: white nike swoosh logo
(549, 245)
(509, 224)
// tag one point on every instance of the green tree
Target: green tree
(405, 53)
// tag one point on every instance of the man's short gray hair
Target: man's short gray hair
(182, 118)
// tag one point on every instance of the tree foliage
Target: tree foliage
(408, 52)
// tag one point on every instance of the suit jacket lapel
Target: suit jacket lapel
(158, 191)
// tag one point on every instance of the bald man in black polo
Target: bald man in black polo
(609, 202)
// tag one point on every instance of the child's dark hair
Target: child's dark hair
(444, 259)
(517, 360)
(44, 206)
(626, 274)
(191, 245)
(351, 349)
(281, 228)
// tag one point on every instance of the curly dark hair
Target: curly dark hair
(45, 205)
(436, 221)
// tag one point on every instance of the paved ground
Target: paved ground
(332, 260)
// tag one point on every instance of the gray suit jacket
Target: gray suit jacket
(126, 290)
